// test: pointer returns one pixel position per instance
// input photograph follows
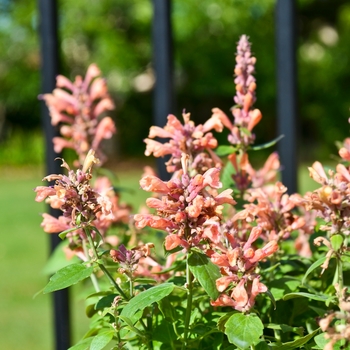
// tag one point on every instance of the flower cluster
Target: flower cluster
(190, 209)
(73, 194)
(238, 264)
(195, 141)
(336, 324)
(245, 118)
(76, 107)
(332, 200)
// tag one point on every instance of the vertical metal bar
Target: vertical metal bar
(287, 91)
(49, 71)
(163, 66)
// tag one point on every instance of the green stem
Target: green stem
(149, 342)
(189, 279)
(340, 274)
(92, 276)
(101, 266)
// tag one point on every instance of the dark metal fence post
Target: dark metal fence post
(49, 71)
(286, 90)
(163, 66)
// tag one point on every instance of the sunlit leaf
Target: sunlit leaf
(206, 273)
(244, 330)
(68, 276)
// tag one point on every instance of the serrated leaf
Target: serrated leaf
(102, 339)
(314, 266)
(244, 330)
(305, 295)
(296, 344)
(84, 344)
(206, 273)
(146, 298)
(68, 276)
(267, 144)
(223, 319)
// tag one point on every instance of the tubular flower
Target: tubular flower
(79, 202)
(238, 264)
(245, 118)
(242, 296)
(187, 209)
(272, 209)
(196, 141)
(332, 200)
(76, 108)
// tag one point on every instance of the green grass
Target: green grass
(25, 322)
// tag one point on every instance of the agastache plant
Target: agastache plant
(221, 257)
(76, 108)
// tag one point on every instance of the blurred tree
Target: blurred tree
(117, 36)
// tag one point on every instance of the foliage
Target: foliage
(117, 36)
(246, 267)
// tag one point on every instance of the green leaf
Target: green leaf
(244, 330)
(296, 344)
(305, 295)
(321, 342)
(270, 295)
(102, 339)
(226, 175)
(145, 280)
(130, 326)
(285, 328)
(167, 309)
(225, 150)
(223, 319)
(164, 332)
(63, 234)
(105, 301)
(267, 144)
(146, 298)
(206, 273)
(262, 345)
(84, 344)
(315, 265)
(68, 276)
(337, 242)
(58, 259)
(281, 286)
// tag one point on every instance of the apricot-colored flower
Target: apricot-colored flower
(245, 117)
(188, 209)
(77, 111)
(195, 141)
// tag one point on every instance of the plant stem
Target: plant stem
(340, 275)
(92, 276)
(189, 279)
(101, 266)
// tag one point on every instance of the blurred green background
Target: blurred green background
(117, 36)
